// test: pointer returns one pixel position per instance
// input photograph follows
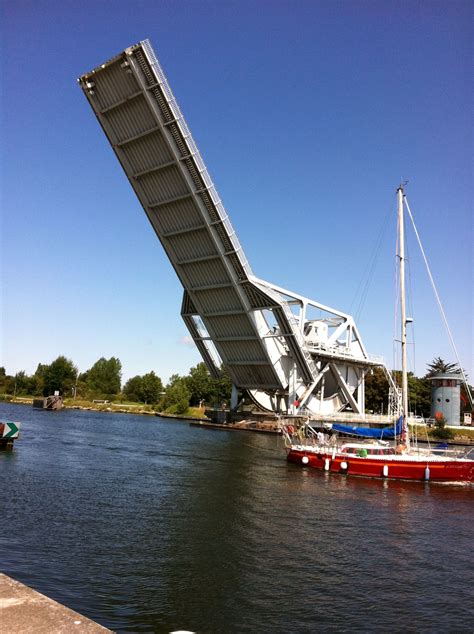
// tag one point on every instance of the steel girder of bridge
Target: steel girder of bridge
(263, 334)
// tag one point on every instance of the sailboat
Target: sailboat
(377, 458)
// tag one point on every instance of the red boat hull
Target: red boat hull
(439, 470)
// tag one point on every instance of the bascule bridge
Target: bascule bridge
(288, 352)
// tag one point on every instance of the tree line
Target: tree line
(104, 381)
(419, 389)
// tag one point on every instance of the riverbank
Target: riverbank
(463, 438)
(192, 413)
(196, 416)
(262, 427)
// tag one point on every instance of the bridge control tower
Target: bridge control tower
(289, 353)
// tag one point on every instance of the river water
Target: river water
(150, 525)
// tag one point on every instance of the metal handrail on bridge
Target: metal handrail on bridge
(194, 152)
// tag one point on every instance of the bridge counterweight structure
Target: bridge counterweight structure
(284, 360)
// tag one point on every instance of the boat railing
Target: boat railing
(352, 417)
(299, 432)
(448, 452)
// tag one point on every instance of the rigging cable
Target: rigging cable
(366, 279)
(395, 347)
(443, 315)
(410, 302)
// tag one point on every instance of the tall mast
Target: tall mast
(403, 316)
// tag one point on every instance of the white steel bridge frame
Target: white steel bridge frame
(234, 317)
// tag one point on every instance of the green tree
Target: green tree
(440, 366)
(151, 388)
(7, 383)
(132, 389)
(200, 384)
(174, 378)
(419, 395)
(203, 387)
(22, 383)
(60, 375)
(376, 391)
(223, 386)
(4, 381)
(37, 379)
(104, 377)
(176, 399)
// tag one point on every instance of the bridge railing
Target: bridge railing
(194, 152)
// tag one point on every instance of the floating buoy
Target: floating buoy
(344, 465)
(427, 473)
(305, 459)
(385, 471)
(326, 464)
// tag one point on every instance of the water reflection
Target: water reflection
(149, 525)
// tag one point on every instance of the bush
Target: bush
(176, 400)
(443, 432)
(176, 410)
(440, 430)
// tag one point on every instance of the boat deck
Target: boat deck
(422, 455)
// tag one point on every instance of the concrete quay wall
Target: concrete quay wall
(23, 610)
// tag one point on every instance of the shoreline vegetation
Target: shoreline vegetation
(117, 407)
(100, 388)
(197, 415)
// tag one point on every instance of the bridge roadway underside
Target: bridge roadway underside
(141, 119)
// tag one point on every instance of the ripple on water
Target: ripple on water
(151, 525)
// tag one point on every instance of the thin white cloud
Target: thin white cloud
(186, 340)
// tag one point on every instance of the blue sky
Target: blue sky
(307, 114)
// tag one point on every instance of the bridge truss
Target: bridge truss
(288, 352)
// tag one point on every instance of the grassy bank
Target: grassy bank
(122, 407)
(464, 435)
(125, 407)
(459, 435)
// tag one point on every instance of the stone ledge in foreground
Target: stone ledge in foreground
(24, 610)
